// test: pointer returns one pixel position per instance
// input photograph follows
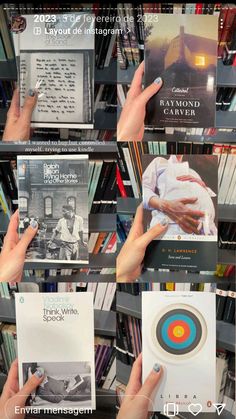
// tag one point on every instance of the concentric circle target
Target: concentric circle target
(179, 331)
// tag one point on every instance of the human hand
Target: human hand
(12, 257)
(179, 212)
(12, 398)
(130, 258)
(135, 404)
(187, 178)
(17, 126)
(131, 123)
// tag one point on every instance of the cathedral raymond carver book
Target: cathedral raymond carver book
(182, 50)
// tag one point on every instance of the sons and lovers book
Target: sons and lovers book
(55, 334)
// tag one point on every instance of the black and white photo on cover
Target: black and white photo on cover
(183, 190)
(54, 192)
(65, 384)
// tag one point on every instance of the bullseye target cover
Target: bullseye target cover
(179, 333)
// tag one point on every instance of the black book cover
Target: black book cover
(221, 296)
(182, 50)
(182, 191)
(227, 99)
(110, 192)
(207, 148)
(9, 181)
(184, 147)
(101, 185)
(124, 171)
(197, 148)
(230, 305)
(171, 147)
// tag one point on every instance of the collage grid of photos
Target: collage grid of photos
(117, 210)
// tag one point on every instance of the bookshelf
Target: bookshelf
(104, 321)
(107, 75)
(8, 70)
(105, 120)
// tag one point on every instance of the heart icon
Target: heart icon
(195, 408)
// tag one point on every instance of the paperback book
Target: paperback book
(181, 192)
(65, 356)
(56, 56)
(179, 332)
(53, 190)
(182, 50)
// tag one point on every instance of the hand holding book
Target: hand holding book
(137, 397)
(131, 123)
(14, 399)
(12, 257)
(130, 258)
(18, 120)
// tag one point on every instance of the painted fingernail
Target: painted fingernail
(39, 373)
(157, 367)
(31, 92)
(164, 221)
(33, 224)
(158, 80)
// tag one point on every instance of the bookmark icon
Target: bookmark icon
(219, 407)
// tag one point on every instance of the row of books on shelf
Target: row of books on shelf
(190, 131)
(105, 361)
(225, 294)
(104, 293)
(226, 99)
(129, 174)
(227, 235)
(132, 22)
(225, 378)
(101, 187)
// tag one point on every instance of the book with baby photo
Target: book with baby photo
(180, 191)
(179, 334)
(57, 339)
(53, 192)
(182, 50)
(55, 55)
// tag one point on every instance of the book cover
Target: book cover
(56, 55)
(182, 189)
(182, 50)
(179, 332)
(53, 190)
(66, 356)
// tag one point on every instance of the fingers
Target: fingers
(188, 200)
(136, 85)
(151, 90)
(29, 105)
(137, 226)
(151, 382)
(153, 233)
(189, 224)
(29, 387)
(27, 237)
(14, 110)
(11, 384)
(11, 236)
(134, 383)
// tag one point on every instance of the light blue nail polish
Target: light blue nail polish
(164, 221)
(33, 224)
(157, 367)
(31, 92)
(39, 373)
(158, 80)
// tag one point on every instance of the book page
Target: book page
(61, 76)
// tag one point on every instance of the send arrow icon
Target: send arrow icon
(219, 407)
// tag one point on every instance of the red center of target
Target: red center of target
(181, 324)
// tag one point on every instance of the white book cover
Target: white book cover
(56, 55)
(179, 332)
(48, 338)
(53, 190)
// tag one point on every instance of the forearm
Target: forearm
(159, 204)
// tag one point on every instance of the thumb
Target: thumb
(30, 386)
(151, 382)
(153, 233)
(27, 237)
(151, 90)
(29, 105)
